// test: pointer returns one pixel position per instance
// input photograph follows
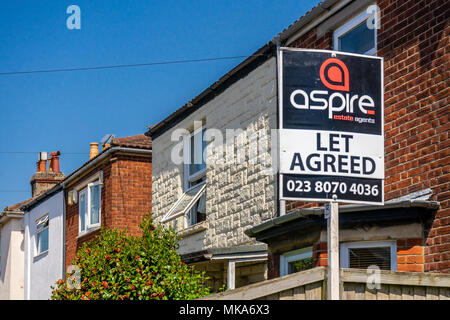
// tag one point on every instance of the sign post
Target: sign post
(331, 137)
(333, 282)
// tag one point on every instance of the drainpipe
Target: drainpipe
(281, 203)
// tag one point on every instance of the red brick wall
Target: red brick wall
(414, 42)
(126, 198)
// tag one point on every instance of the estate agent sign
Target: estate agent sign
(331, 126)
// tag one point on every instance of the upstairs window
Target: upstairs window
(358, 35)
(362, 255)
(42, 235)
(192, 203)
(196, 166)
(195, 177)
(89, 208)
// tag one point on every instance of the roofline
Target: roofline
(46, 194)
(6, 215)
(94, 161)
(266, 51)
(85, 167)
(257, 58)
(252, 232)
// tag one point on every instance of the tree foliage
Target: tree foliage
(118, 266)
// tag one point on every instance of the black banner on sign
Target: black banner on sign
(313, 187)
(334, 93)
(331, 126)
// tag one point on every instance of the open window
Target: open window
(361, 255)
(42, 234)
(358, 35)
(192, 204)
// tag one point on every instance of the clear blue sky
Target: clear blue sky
(66, 111)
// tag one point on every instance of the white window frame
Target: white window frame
(188, 178)
(345, 257)
(351, 24)
(170, 216)
(40, 221)
(188, 220)
(89, 227)
(293, 256)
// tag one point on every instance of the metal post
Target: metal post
(333, 249)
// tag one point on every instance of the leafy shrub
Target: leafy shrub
(119, 266)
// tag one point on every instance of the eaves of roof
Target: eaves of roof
(253, 61)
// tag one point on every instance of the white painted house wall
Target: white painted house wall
(42, 271)
(11, 264)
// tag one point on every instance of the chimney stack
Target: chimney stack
(44, 179)
(94, 150)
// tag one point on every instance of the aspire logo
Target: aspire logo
(335, 76)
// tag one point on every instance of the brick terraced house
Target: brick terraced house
(411, 231)
(112, 190)
(229, 215)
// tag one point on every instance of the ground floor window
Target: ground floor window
(295, 261)
(361, 255)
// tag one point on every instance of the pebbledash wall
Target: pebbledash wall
(238, 196)
(413, 40)
(125, 198)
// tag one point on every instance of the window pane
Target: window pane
(82, 211)
(187, 198)
(198, 211)
(358, 40)
(300, 265)
(198, 145)
(362, 258)
(42, 239)
(95, 204)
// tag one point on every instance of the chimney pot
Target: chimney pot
(94, 150)
(54, 161)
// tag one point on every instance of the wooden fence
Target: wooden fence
(311, 285)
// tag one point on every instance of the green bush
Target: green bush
(117, 266)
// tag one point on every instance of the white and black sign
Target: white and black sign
(331, 126)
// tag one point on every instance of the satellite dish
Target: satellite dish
(107, 139)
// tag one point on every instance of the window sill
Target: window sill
(85, 233)
(196, 228)
(40, 255)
